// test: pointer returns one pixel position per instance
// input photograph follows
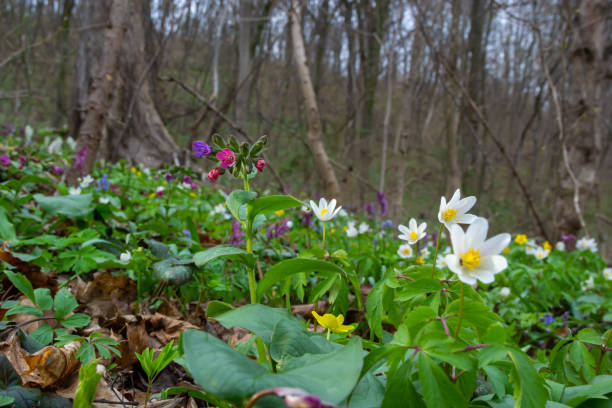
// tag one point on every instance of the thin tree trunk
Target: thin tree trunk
(90, 131)
(387, 119)
(244, 63)
(63, 46)
(315, 141)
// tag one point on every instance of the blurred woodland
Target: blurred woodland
(398, 100)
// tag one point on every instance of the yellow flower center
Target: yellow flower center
(406, 251)
(470, 259)
(413, 235)
(449, 215)
(323, 211)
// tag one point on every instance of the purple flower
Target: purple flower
(237, 235)
(201, 148)
(388, 224)
(186, 179)
(169, 177)
(194, 186)
(79, 158)
(5, 160)
(369, 209)
(307, 219)
(58, 170)
(187, 233)
(104, 183)
(382, 202)
(548, 319)
(22, 162)
(227, 158)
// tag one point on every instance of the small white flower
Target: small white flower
(342, 213)
(305, 209)
(607, 273)
(560, 246)
(446, 251)
(413, 232)
(71, 143)
(405, 251)
(104, 200)
(87, 180)
(160, 189)
(531, 247)
(588, 284)
(441, 262)
(290, 224)
(504, 292)
(455, 211)
(325, 211)
(351, 231)
(540, 253)
(474, 257)
(586, 243)
(363, 228)
(125, 256)
(74, 190)
(425, 252)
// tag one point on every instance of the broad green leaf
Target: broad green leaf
(529, 389)
(25, 309)
(72, 206)
(44, 334)
(375, 309)
(4, 401)
(400, 389)
(412, 289)
(475, 314)
(169, 270)
(7, 229)
(438, 390)
(22, 284)
(64, 303)
(589, 335)
(259, 319)
(237, 199)
(599, 387)
(226, 252)
(43, 298)
(215, 308)
(289, 267)
(268, 204)
(332, 376)
(369, 393)
(87, 386)
(291, 339)
(76, 320)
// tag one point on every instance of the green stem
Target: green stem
(433, 269)
(460, 311)
(288, 300)
(147, 395)
(251, 271)
(323, 222)
(328, 333)
(245, 177)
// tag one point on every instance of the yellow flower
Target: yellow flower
(194, 195)
(139, 173)
(506, 250)
(333, 323)
(521, 239)
(133, 169)
(139, 249)
(345, 228)
(151, 195)
(546, 245)
(333, 231)
(279, 212)
(420, 260)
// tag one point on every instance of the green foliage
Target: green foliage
(89, 378)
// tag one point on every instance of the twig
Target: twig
(227, 120)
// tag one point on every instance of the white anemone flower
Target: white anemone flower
(560, 246)
(441, 262)
(87, 180)
(363, 228)
(504, 292)
(474, 257)
(342, 213)
(425, 252)
(586, 243)
(125, 256)
(588, 284)
(455, 211)
(413, 232)
(325, 211)
(540, 253)
(351, 231)
(74, 190)
(104, 200)
(405, 251)
(531, 247)
(607, 273)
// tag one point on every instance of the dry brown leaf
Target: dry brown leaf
(51, 364)
(166, 328)
(137, 340)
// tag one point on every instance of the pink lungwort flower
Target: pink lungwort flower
(260, 164)
(227, 158)
(213, 175)
(5, 160)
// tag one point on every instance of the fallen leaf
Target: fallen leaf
(51, 365)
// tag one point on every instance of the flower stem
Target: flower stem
(251, 271)
(433, 268)
(323, 222)
(328, 333)
(460, 310)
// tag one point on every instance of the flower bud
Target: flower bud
(213, 175)
(260, 164)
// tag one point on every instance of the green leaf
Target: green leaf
(7, 229)
(169, 270)
(475, 314)
(268, 204)
(44, 334)
(412, 289)
(25, 309)
(529, 389)
(76, 320)
(375, 309)
(332, 376)
(285, 269)
(369, 392)
(438, 390)
(590, 336)
(237, 199)
(64, 303)
(400, 389)
(4, 400)
(224, 251)
(598, 388)
(291, 339)
(22, 284)
(257, 318)
(72, 206)
(88, 383)
(216, 307)
(44, 301)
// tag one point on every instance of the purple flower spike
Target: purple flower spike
(169, 177)
(5, 160)
(80, 157)
(58, 170)
(382, 202)
(201, 148)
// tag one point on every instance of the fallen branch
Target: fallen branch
(227, 120)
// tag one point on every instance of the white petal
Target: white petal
(322, 203)
(476, 233)
(403, 229)
(455, 198)
(314, 207)
(469, 279)
(332, 205)
(412, 224)
(453, 263)
(495, 245)
(422, 227)
(404, 237)
(466, 218)
(336, 211)
(494, 264)
(442, 204)
(457, 239)
(465, 204)
(484, 276)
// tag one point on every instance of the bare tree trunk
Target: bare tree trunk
(63, 46)
(315, 141)
(387, 119)
(590, 74)
(90, 131)
(244, 63)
